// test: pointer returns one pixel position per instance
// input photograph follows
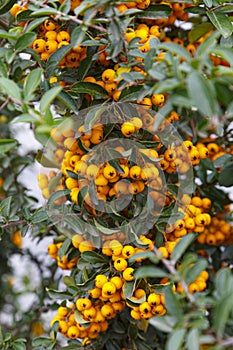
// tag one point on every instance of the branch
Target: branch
(170, 267)
(72, 18)
(13, 223)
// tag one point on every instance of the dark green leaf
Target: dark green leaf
(155, 12)
(58, 295)
(6, 6)
(225, 177)
(24, 41)
(89, 88)
(198, 31)
(220, 161)
(68, 101)
(84, 67)
(94, 258)
(221, 22)
(131, 93)
(55, 58)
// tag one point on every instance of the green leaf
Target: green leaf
(182, 245)
(92, 89)
(77, 36)
(56, 57)
(221, 22)
(84, 67)
(24, 41)
(225, 53)
(74, 222)
(64, 247)
(5, 206)
(39, 216)
(164, 324)
(175, 49)
(149, 271)
(19, 345)
(176, 339)
(94, 258)
(225, 177)
(198, 31)
(41, 341)
(144, 255)
(10, 88)
(48, 97)
(6, 6)
(25, 118)
(128, 289)
(172, 303)
(3, 69)
(221, 314)
(31, 82)
(68, 101)
(208, 3)
(201, 93)
(43, 160)
(65, 7)
(35, 23)
(58, 295)
(223, 283)
(193, 339)
(155, 12)
(131, 93)
(6, 145)
(220, 161)
(45, 11)
(195, 270)
(58, 194)
(103, 229)
(79, 318)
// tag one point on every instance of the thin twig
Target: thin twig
(72, 18)
(170, 267)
